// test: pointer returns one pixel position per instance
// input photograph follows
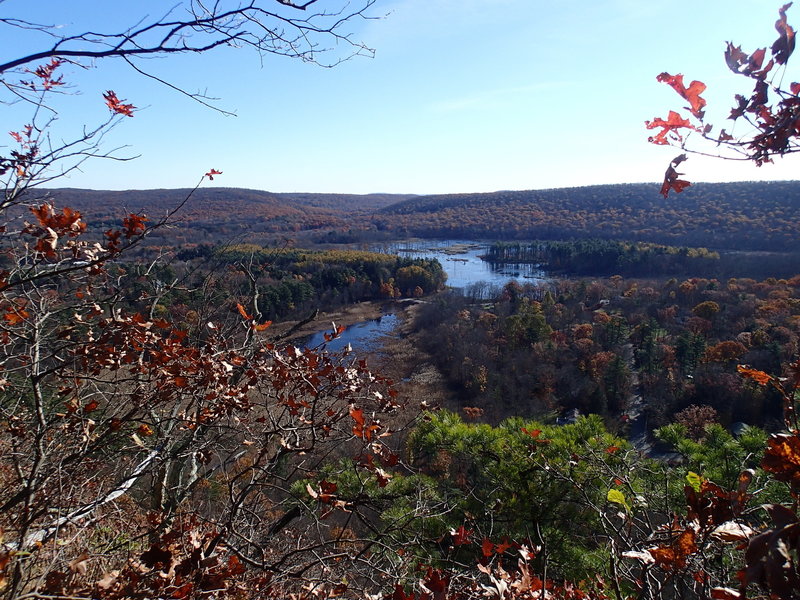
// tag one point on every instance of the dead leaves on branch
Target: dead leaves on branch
(117, 106)
(672, 181)
(690, 94)
(777, 126)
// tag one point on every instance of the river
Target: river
(466, 272)
(461, 260)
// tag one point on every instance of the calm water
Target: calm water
(465, 271)
(462, 263)
(360, 336)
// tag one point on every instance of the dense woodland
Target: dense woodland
(629, 432)
(596, 345)
(757, 216)
(582, 405)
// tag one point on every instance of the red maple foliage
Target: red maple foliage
(117, 106)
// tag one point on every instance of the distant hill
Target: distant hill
(208, 202)
(741, 216)
(223, 213)
(751, 215)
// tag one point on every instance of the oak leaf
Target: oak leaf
(117, 106)
(782, 458)
(691, 94)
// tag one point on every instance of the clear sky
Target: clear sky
(461, 96)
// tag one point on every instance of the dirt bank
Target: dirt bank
(396, 355)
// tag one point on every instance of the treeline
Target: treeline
(743, 216)
(221, 214)
(605, 257)
(540, 350)
(204, 281)
(754, 216)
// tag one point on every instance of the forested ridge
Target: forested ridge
(220, 214)
(743, 216)
(753, 216)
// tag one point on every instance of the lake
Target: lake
(361, 336)
(462, 263)
(466, 271)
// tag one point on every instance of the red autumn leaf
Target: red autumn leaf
(211, 174)
(117, 106)
(691, 94)
(734, 57)
(487, 547)
(784, 46)
(611, 449)
(669, 126)
(671, 178)
(461, 536)
(742, 64)
(134, 225)
(262, 326)
(325, 493)
(724, 136)
(45, 74)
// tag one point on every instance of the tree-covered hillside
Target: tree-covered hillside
(753, 216)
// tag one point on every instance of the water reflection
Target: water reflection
(361, 336)
(462, 263)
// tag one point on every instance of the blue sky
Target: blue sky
(461, 96)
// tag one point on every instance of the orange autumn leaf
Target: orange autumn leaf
(15, 316)
(670, 125)
(674, 556)
(117, 106)
(358, 416)
(535, 433)
(782, 458)
(243, 312)
(134, 225)
(760, 377)
(262, 326)
(691, 94)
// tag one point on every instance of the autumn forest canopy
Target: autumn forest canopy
(616, 419)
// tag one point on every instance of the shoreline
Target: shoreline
(346, 315)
